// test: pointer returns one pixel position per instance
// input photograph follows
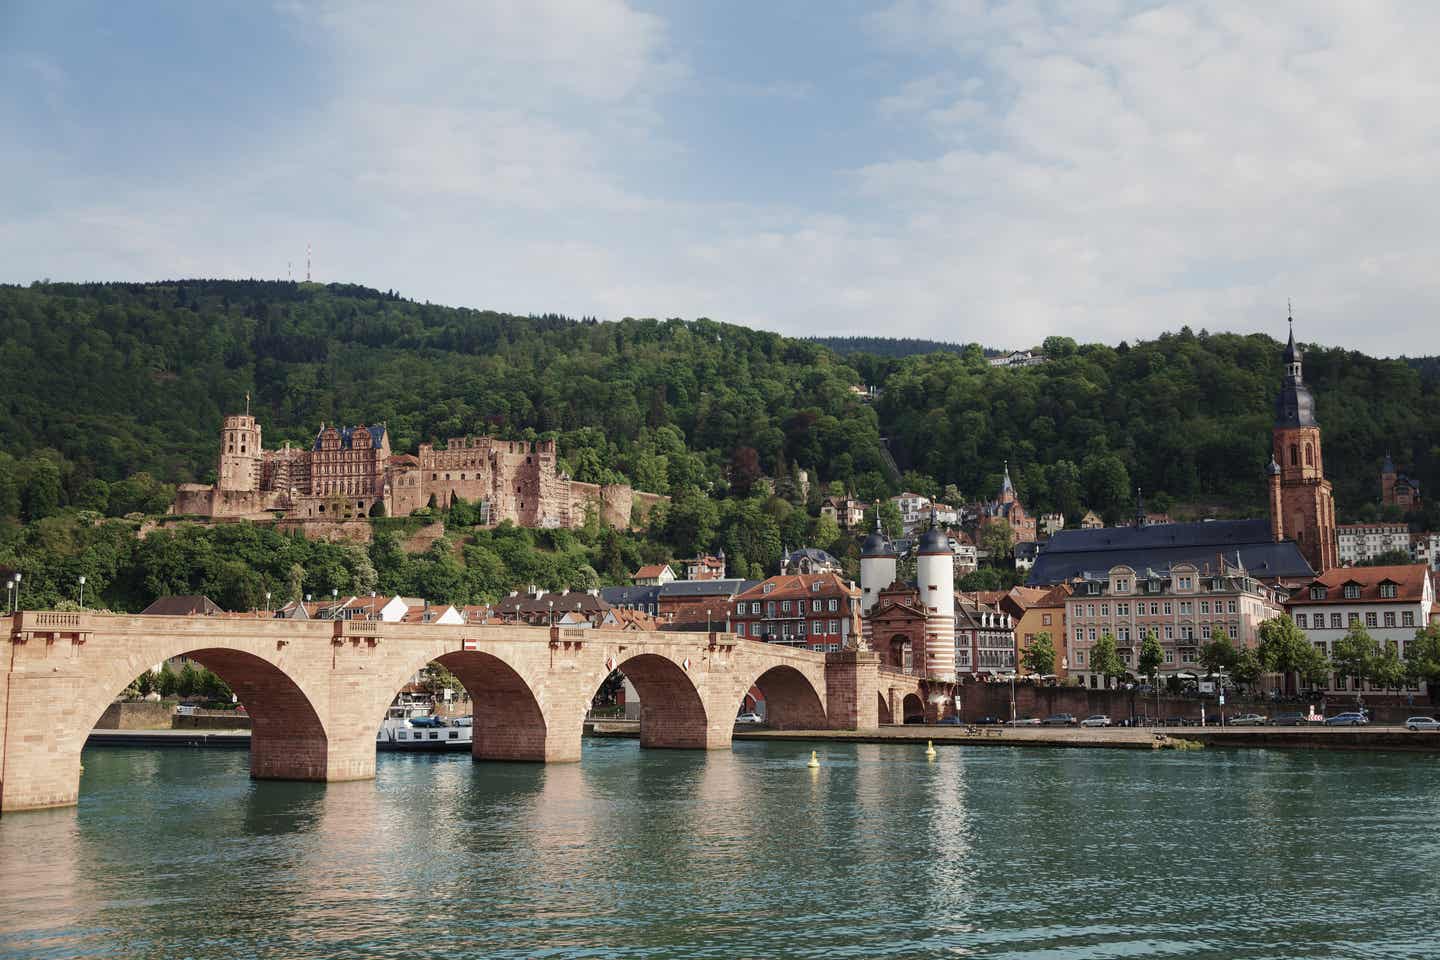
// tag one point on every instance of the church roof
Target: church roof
(1295, 406)
(1070, 553)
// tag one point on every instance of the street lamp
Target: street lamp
(267, 603)
(551, 604)
(10, 595)
(82, 591)
(17, 592)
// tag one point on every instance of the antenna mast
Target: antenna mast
(307, 263)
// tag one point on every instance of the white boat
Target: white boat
(411, 727)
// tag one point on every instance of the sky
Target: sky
(948, 169)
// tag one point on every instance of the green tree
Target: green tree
(1283, 649)
(997, 539)
(1151, 655)
(1218, 656)
(1422, 659)
(187, 684)
(1039, 657)
(1248, 668)
(295, 582)
(167, 683)
(1389, 670)
(1105, 659)
(1356, 654)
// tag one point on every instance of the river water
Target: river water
(986, 852)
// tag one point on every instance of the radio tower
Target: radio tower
(307, 263)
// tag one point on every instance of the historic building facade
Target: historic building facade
(1397, 489)
(1390, 602)
(1184, 605)
(816, 610)
(350, 473)
(1302, 505)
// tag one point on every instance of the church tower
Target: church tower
(1302, 507)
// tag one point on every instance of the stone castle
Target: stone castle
(349, 473)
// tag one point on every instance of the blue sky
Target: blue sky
(955, 169)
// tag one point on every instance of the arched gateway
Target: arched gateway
(318, 690)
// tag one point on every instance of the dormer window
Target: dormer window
(1352, 591)
(1318, 592)
(1388, 591)
(768, 588)
(815, 587)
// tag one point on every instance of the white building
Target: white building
(1359, 542)
(1425, 548)
(913, 508)
(1391, 602)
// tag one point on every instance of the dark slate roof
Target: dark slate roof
(644, 596)
(705, 588)
(184, 605)
(1026, 550)
(1295, 406)
(1072, 553)
(815, 554)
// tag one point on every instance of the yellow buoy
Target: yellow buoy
(930, 749)
(814, 760)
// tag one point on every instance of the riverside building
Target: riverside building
(1183, 604)
(1390, 602)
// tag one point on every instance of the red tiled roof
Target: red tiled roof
(649, 573)
(1409, 581)
(799, 585)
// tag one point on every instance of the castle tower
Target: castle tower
(240, 457)
(1302, 504)
(877, 566)
(935, 578)
(1388, 476)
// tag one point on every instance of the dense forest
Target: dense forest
(114, 393)
(893, 347)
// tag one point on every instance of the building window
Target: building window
(1230, 606)
(1387, 590)
(740, 628)
(1390, 618)
(1169, 656)
(1092, 634)
(1317, 592)
(1205, 607)
(1104, 609)
(834, 626)
(755, 607)
(1080, 657)
(1185, 608)
(1045, 619)
(1334, 621)
(1408, 618)
(1169, 632)
(1169, 608)
(1300, 621)
(784, 606)
(834, 605)
(1079, 634)
(1352, 591)
(1371, 620)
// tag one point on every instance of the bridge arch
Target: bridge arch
(791, 700)
(912, 709)
(885, 716)
(672, 711)
(509, 717)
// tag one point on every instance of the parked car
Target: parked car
(1028, 722)
(1176, 722)
(427, 722)
(1351, 719)
(1060, 720)
(750, 718)
(1422, 723)
(950, 721)
(186, 709)
(462, 721)
(1098, 720)
(987, 721)
(1288, 720)
(1247, 720)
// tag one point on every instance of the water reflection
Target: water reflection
(987, 851)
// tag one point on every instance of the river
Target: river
(985, 852)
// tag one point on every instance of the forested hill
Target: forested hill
(887, 346)
(103, 382)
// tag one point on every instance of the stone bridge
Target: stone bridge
(317, 691)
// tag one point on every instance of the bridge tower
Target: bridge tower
(935, 578)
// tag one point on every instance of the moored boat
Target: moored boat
(409, 727)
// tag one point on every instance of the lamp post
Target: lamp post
(707, 619)
(267, 603)
(17, 592)
(10, 595)
(551, 604)
(82, 591)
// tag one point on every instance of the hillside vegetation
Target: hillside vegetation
(114, 392)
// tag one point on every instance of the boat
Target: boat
(412, 728)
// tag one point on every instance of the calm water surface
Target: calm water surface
(989, 852)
